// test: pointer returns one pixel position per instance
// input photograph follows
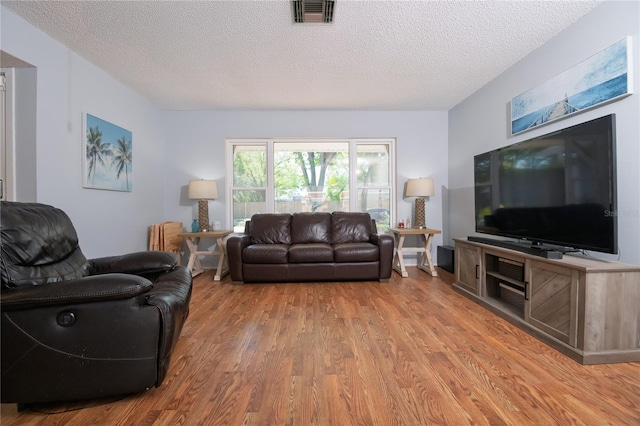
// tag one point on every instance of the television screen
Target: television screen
(558, 188)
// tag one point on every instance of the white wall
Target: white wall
(196, 149)
(111, 222)
(481, 122)
(107, 222)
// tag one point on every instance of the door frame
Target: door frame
(7, 136)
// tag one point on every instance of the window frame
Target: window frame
(354, 187)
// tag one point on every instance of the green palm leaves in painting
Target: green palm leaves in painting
(97, 152)
(122, 159)
(108, 158)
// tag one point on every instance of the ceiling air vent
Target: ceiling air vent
(305, 11)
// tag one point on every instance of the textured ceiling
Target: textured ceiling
(248, 55)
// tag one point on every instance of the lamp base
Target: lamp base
(203, 215)
(418, 219)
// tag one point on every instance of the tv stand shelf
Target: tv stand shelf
(507, 279)
(586, 308)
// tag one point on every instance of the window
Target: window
(288, 176)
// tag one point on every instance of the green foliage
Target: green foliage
(287, 174)
(298, 172)
(250, 169)
(122, 159)
(313, 166)
(248, 196)
(336, 184)
(367, 167)
(309, 171)
(97, 152)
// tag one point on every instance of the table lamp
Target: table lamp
(419, 188)
(203, 190)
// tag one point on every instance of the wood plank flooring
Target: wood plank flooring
(409, 352)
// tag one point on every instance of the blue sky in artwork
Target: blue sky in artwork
(105, 176)
(601, 67)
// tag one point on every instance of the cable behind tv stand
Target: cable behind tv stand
(539, 251)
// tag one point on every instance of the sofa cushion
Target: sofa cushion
(311, 253)
(350, 227)
(271, 228)
(265, 253)
(356, 252)
(311, 228)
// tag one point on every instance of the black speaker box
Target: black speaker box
(446, 258)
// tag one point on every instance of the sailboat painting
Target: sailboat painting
(107, 155)
(604, 77)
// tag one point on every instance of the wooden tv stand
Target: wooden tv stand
(586, 308)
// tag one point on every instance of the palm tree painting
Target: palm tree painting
(108, 155)
(122, 158)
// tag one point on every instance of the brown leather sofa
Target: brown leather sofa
(337, 246)
(77, 328)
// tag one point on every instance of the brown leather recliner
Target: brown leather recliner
(74, 328)
(337, 246)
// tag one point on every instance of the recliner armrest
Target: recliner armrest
(96, 288)
(138, 263)
(171, 294)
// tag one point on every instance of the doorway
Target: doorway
(18, 153)
(7, 175)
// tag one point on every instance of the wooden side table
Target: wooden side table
(426, 263)
(193, 239)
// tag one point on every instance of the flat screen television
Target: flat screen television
(558, 189)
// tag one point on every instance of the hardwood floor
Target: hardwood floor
(410, 352)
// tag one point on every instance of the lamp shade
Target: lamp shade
(421, 187)
(203, 189)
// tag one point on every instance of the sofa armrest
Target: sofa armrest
(138, 263)
(235, 245)
(385, 244)
(83, 290)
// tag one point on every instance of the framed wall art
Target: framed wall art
(107, 155)
(604, 77)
